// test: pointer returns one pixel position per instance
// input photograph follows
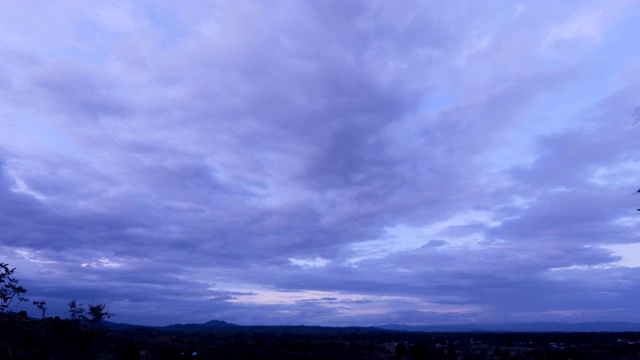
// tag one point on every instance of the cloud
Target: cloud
(585, 27)
(310, 263)
(320, 163)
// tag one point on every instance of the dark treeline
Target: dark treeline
(22, 337)
(80, 336)
(55, 338)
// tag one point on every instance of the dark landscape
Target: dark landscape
(22, 337)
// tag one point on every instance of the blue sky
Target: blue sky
(323, 163)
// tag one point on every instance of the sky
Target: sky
(323, 162)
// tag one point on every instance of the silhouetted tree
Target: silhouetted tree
(76, 311)
(41, 306)
(11, 294)
(96, 313)
(93, 314)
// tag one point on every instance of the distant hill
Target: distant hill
(602, 326)
(219, 325)
(119, 326)
(208, 326)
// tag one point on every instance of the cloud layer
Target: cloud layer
(332, 163)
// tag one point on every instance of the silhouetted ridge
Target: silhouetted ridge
(218, 323)
(602, 326)
(208, 326)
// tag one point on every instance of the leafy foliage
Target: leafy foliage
(80, 337)
(76, 311)
(96, 313)
(11, 294)
(41, 306)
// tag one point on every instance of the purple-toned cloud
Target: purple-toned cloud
(322, 163)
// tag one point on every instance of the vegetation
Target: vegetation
(11, 294)
(79, 337)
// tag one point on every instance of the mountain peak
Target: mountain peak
(218, 323)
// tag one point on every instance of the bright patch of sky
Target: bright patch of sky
(401, 238)
(26, 131)
(309, 263)
(629, 253)
(103, 262)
